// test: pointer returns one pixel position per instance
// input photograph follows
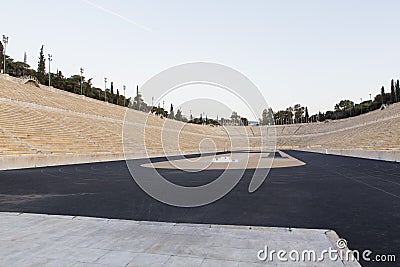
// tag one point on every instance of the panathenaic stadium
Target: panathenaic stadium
(78, 175)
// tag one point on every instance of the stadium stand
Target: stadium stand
(47, 121)
(376, 130)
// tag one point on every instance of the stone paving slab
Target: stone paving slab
(52, 240)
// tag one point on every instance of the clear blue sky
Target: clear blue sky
(309, 52)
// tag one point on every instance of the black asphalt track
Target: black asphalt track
(358, 198)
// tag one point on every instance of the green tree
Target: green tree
(393, 97)
(138, 101)
(267, 117)
(383, 95)
(41, 70)
(281, 117)
(270, 116)
(344, 105)
(159, 111)
(290, 114)
(73, 84)
(321, 116)
(307, 116)
(329, 115)
(17, 69)
(344, 109)
(244, 121)
(398, 91)
(1, 55)
(264, 117)
(111, 98)
(235, 118)
(58, 81)
(42, 62)
(171, 113)
(179, 115)
(298, 112)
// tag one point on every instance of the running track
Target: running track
(358, 198)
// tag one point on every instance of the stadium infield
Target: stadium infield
(358, 198)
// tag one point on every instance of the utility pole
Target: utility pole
(81, 80)
(50, 59)
(124, 94)
(105, 89)
(5, 41)
(163, 103)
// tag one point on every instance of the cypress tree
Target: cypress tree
(1, 55)
(307, 115)
(383, 95)
(112, 92)
(393, 97)
(171, 112)
(42, 62)
(398, 91)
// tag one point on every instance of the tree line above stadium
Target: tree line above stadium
(291, 115)
(79, 85)
(343, 109)
(75, 84)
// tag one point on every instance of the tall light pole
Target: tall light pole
(50, 59)
(105, 89)
(81, 80)
(5, 41)
(124, 94)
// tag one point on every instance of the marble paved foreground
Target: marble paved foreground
(51, 240)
